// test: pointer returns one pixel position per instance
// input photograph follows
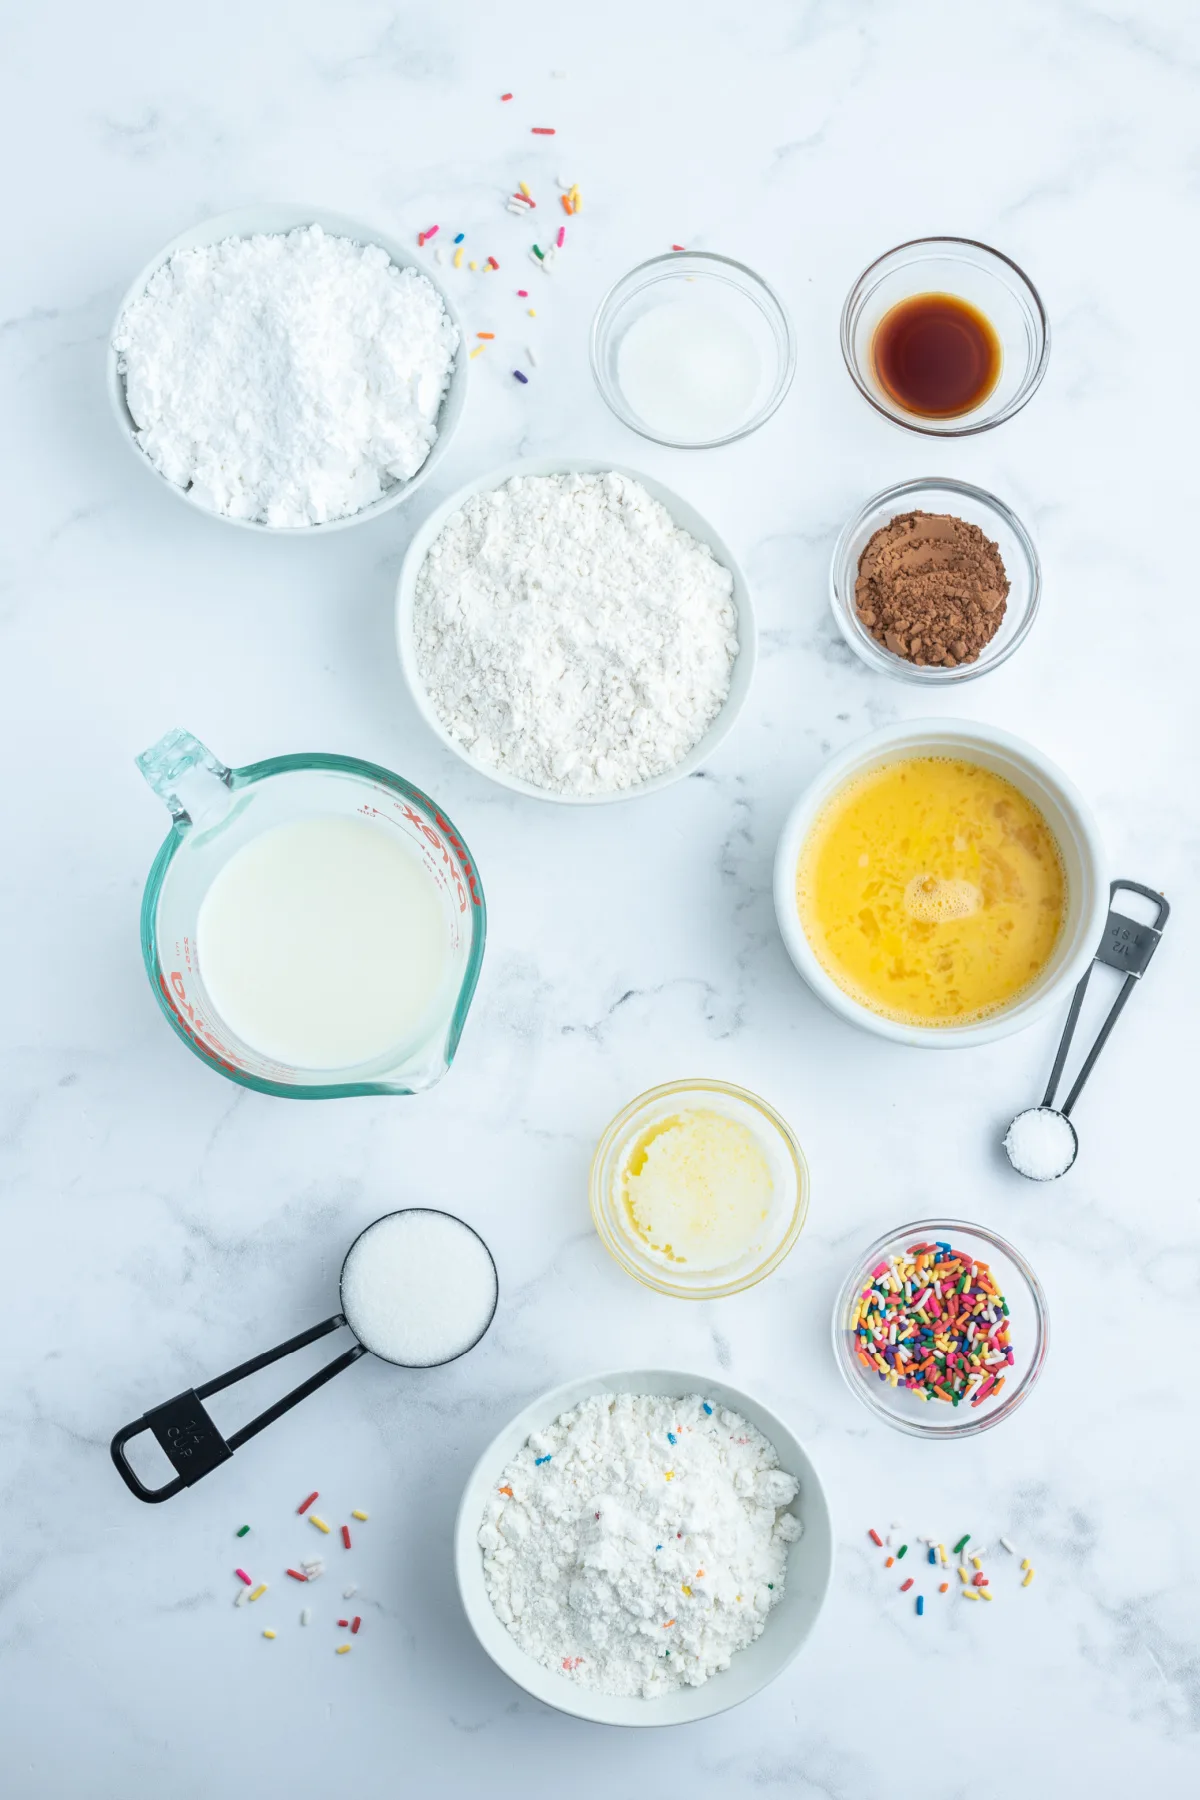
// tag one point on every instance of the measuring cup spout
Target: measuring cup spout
(189, 780)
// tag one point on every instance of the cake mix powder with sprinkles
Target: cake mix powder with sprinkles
(638, 1542)
(933, 1320)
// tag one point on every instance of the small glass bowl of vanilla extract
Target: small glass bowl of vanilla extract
(945, 337)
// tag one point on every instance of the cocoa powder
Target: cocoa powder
(932, 589)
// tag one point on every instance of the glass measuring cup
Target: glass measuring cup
(188, 1434)
(216, 811)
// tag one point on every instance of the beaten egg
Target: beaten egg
(932, 891)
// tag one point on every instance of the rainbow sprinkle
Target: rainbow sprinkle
(934, 1321)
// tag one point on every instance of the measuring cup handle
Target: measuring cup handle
(186, 1431)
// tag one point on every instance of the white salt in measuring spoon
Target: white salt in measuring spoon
(1041, 1142)
(418, 1288)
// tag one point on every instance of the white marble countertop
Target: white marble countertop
(160, 1224)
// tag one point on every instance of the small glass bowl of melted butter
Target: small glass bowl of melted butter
(699, 1189)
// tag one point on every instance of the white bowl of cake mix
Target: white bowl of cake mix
(630, 1512)
(304, 373)
(575, 630)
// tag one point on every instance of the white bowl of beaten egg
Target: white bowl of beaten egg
(941, 883)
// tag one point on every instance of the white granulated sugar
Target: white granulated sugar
(289, 378)
(616, 1510)
(569, 632)
(418, 1287)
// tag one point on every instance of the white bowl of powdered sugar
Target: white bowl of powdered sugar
(574, 630)
(644, 1547)
(287, 369)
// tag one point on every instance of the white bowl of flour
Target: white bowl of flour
(579, 664)
(802, 1565)
(371, 356)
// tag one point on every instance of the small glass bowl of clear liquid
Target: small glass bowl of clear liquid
(692, 350)
(313, 926)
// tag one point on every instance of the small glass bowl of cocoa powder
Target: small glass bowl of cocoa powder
(934, 581)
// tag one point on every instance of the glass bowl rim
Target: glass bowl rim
(885, 662)
(1030, 383)
(857, 1383)
(610, 393)
(648, 1278)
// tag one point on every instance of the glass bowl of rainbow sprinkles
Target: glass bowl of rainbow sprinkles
(941, 1328)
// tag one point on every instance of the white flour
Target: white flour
(290, 378)
(570, 633)
(610, 1523)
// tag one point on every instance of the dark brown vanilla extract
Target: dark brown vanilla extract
(936, 355)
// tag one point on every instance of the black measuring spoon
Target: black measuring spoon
(186, 1431)
(1124, 945)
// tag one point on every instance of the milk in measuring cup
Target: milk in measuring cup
(323, 943)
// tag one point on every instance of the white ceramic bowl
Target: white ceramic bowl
(683, 514)
(809, 1568)
(280, 216)
(1067, 815)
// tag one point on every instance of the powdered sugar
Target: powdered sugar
(288, 378)
(643, 1543)
(570, 633)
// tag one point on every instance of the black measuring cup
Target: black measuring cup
(187, 1433)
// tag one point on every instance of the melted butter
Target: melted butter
(931, 891)
(696, 1188)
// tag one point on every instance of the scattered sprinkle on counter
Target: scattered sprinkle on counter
(489, 335)
(543, 130)
(242, 1576)
(241, 1531)
(524, 380)
(875, 1537)
(1027, 1578)
(902, 1551)
(341, 1650)
(305, 1504)
(355, 1622)
(319, 1523)
(256, 1593)
(920, 1605)
(934, 1321)
(969, 1593)
(239, 1599)
(477, 351)
(962, 1543)
(345, 1537)
(905, 1585)
(305, 1615)
(1005, 1545)
(349, 1593)
(268, 1633)
(296, 1574)
(359, 1514)
(537, 1463)
(506, 96)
